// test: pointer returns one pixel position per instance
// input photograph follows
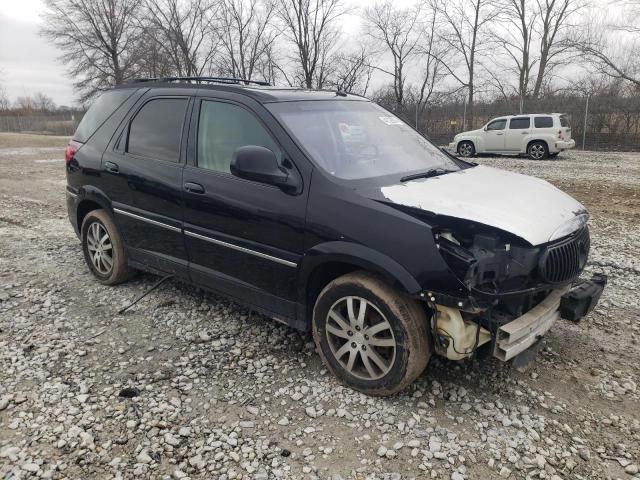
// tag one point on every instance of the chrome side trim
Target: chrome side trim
(147, 220)
(242, 249)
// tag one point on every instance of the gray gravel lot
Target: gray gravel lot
(220, 392)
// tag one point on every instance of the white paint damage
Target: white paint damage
(528, 207)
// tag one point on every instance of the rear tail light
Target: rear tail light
(560, 134)
(71, 150)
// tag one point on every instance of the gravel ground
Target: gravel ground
(189, 385)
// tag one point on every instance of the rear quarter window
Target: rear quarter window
(99, 112)
(543, 122)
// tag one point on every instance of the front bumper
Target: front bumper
(565, 145)
(572, 303)
(452, 146)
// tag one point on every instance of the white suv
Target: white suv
(538, 136)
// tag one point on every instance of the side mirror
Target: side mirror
(259, 164)
(484, 128)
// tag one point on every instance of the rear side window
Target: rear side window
(520, 122)
(224, 127)
(564, 121)
(543, 122)
(156, 129)
(99, 112)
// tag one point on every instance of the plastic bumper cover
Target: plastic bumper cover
(571, 303)
(565, 145)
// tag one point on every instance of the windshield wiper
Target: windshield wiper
(433, 172)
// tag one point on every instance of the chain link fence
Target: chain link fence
(612, 122)
(54, 124)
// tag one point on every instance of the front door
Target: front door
(145, 183)
(244, 238)
(494, 135)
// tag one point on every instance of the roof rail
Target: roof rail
(225, 80)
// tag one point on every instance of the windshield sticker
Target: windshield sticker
(391, 120)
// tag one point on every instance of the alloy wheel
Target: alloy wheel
(360, 338)
(100, 248)
(537, 151)
(466, 150)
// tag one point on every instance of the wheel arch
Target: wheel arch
(534, 140)
(328, 261)
(472, 140)
(91, 198)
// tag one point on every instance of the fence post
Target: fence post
(584, 128)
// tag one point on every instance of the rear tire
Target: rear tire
(537, 151)
(103, 248)
(379, 350)
(466, 149)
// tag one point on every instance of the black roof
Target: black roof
(260, 91)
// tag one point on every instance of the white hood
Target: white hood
(528, 207)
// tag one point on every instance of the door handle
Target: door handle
(193, 187)
(499, 133)
(111, 167)
(524, 133)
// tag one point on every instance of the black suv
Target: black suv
(325, 211)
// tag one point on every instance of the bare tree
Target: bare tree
(311, 25)
(5, 104)
(612, 43)
(24, 103)
(42, 102)
(246, 36)
(97, 39)
(432, 53)
(352, 72)
(184, 31)
(398, 30)
(516, 39)
(554, 23)
(466, 33)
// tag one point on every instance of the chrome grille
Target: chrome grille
(564, 260)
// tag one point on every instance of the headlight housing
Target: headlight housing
(573, 225)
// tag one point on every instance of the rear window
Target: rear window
(564, 121)
(543, 122)
(99, 112)
(156, 129)
(520, 122)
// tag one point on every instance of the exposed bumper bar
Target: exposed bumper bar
(519, 334)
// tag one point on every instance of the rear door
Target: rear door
(244, 238)
(144, 167)
(515, 137)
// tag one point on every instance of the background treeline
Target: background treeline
(443, 65)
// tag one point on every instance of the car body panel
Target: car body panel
(528, 207)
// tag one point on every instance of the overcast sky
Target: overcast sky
(28, 63)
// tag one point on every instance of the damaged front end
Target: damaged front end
(516, 291)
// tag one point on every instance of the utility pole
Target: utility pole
(584, 129)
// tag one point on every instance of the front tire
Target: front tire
(537, 151)
(104, 249)
(372, 337)
(466, 149)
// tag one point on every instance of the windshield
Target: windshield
(354, 140)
